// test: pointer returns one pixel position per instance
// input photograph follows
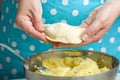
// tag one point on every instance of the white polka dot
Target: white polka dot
(4, 28)
(112, 40)
(8, 40)
(15, 26)
(91, 49)
(17, 5)
(2, 17)
(23, 36)
(118, 48)
(65, 2)
(103, 49)
(119, 66)
(14, 44)
(10, 21)
(63, 21)
(5, 78)
(8, 59)
(41, 41)
(53, 11)
(85, 2)
(13, 1)
(44, 20)
(1, 66)
(75, 12)
(14, 71)
(2, 48)
(7, 9)
(17, 51)
(119, 29)
(100, 41)
(102, 1)
(44, 1)
(16, 0)
(32, 47)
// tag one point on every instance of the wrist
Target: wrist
(116, 3)
(35, 4)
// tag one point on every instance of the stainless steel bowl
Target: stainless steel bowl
(102, 59)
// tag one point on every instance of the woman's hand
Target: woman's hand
(99, 22)
(29, 18)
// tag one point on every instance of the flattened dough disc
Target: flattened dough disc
(64, 33)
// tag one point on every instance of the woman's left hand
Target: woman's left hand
(99, 22)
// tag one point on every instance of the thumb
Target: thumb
(38, 23)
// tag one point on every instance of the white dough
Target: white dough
(64, 33)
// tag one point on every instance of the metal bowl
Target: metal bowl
(102, 59)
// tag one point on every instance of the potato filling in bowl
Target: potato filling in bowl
(71, 66)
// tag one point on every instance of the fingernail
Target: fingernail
(85, 37)
(44, 37)
(39, 26)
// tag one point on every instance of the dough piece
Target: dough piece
(64, 33)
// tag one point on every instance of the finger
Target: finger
(19, 20)
(91, 30)
(95, 38)
(62, 45)
(73, 45)
(96, 26)
(37, 21)
(55, 45)
(28, 27)
(91, 17)
(99, 35)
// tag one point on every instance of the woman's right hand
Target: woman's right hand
(29, 18)
(97, 24)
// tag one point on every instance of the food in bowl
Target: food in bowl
(71, 66)
(102, 60)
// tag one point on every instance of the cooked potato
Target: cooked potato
(68, 66)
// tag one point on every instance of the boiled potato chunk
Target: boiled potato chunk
(71, 66)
